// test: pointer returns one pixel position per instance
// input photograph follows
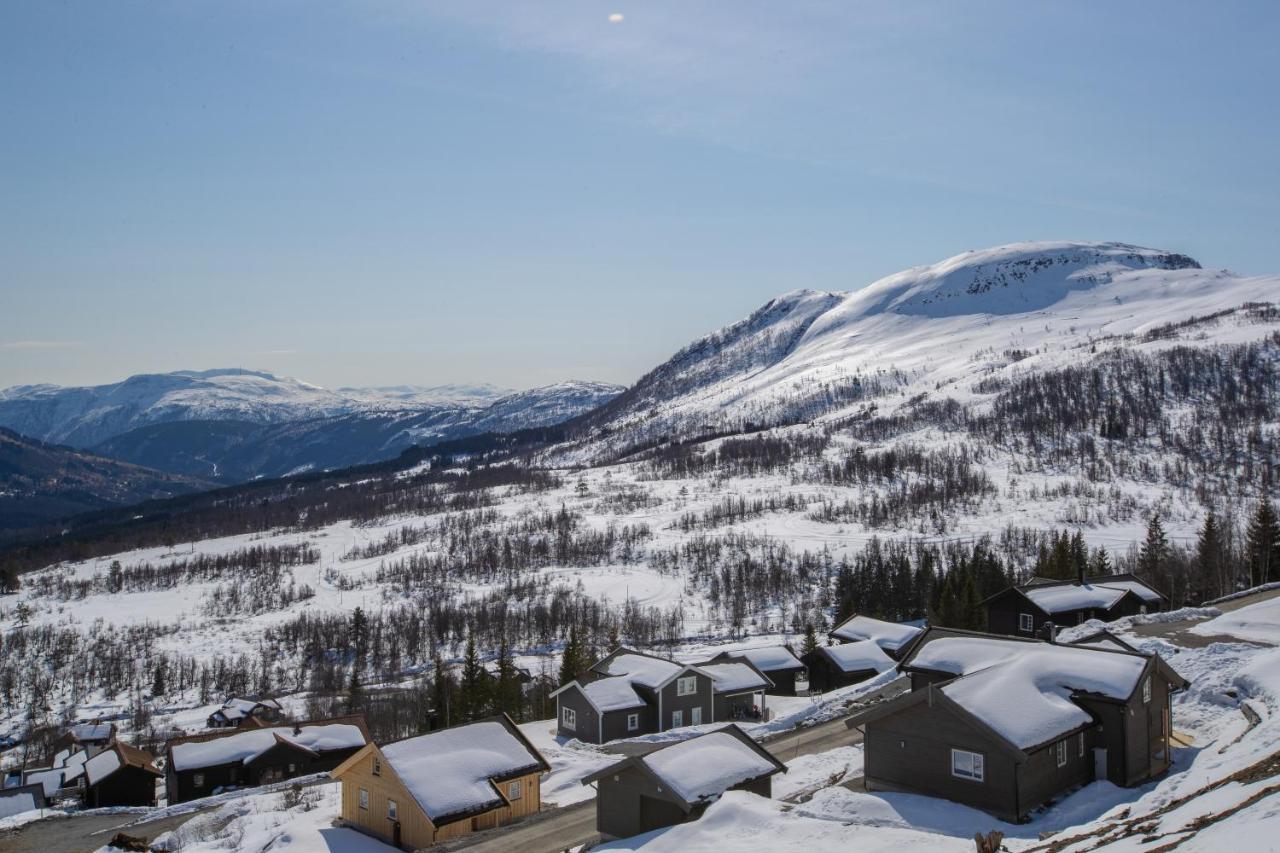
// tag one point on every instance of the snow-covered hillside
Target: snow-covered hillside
(950, 330)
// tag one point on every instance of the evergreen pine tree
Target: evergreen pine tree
(158, 679)
(1100, 563)
(1209, 557)
(810, 640)
(571, 661)
(442, 691)
(507, 697)
(1155, 549)
(1262, 544)
(472, 693)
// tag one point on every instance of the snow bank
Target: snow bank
(1258, 623)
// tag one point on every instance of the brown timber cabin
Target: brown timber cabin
(1023, 611)
(423, 790)
(984, 724)
(120, 775)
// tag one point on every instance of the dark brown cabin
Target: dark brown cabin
(120, 775)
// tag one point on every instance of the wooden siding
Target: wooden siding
(911, 751)
(416, 829)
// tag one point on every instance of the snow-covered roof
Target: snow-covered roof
(707, 766)
(1023, 690)
(641, 669)
(92, 731)
(888, 635)
(1137, 587)
(48, 778)
(612, 694)
(16, 802)
(768, 658)
(449, 772)
(733, 677)
(245, 746)
(236, 708)
(862, 655)
(101, 766)
(1058, 599)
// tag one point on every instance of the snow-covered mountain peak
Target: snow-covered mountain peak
(1010, 279)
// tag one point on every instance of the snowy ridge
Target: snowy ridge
(809, 355)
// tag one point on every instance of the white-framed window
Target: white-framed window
(695, 718)
(568, 718)
(1146, 690)
(515, 790)
(1061, 749)
(364, 799)
(377, 766)
(677, 719)
(687, 685)
(1081, 736)
(198, 780)
(393, 813)
(633, 722)
(967, 765)
(1026, 622)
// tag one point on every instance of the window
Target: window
(377, 766)
(1082, 744)
(1061, 748)
(1146, 690)
(967, 765)
(687, 686)
(1026, 622)
(293, 768)
(393, 813)
(514, 790)
(696, 717)
(568, 718)
(198, 780)
(633, 722)
(364, 799)
(677, 719)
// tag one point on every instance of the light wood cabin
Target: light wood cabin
(377, 802)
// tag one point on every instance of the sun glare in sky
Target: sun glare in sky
(615, 18)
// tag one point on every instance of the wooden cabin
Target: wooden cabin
(121, 775)
(674, 784)
(894, 638)
(788, 674)
(201, 765)
(236, 712)
(1025, 610)
(832, 667)
(629, 693)
(985, 724)
(416, 792)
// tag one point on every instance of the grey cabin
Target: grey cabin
(674, 784)
(1023, 611)
(832, 667)
(894, 638)
(629, 693)
(985, 724)
(788, 673)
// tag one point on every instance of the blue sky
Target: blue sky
(370, 193)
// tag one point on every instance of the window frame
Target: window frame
(1081, 736)
(1027, 623)
(690, 681)
(515, 789)
(197, 780)
(377, 766)
(633, 722)
(695, 716)
(362, 798)
(1060, 752)
(393, 809)
(677, 718)
(568, 718)
(1146, 690)
(977, 769)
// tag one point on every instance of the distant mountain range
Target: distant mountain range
(234, 425)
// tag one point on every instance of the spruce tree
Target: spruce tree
(1100, 563)
(810, 639)
(1209, 554)
(1262, 545)
(472, 693)
(507, 697)
(1155, 549)
(571, 661)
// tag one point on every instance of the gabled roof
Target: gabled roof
(701, 768)
(643, 669)
(243, 746)
(92, 732)
(736, 676)
(606, 694)
(451, 773)
(116, 757)
(1025, 690)
(766, 658)
(891, 636)
(1103, 639)
(1097, 593)
(856, 657)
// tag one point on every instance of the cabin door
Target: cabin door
(1099, 763)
